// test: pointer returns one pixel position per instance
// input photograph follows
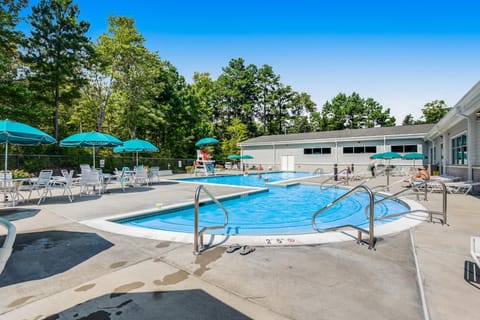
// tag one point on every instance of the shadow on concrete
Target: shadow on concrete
(183, 304)
(39, 255)
(472, 274)
(13, 214)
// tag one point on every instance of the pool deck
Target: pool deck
(64, 269)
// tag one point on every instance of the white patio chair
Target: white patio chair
(91, 179)
(43, 182)
(154, 173)
(7, 186)
(141, 176)
(64, 183)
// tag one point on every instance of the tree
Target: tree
(354, 112)
(236, 132)
(434, 111)
(57, 53)
(408, 120)
(13, 89)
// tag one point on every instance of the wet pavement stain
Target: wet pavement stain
(98, 315)
(118, 264)
(126, 288)
(173, 278)
(163, 245)
(85, 287)
(20, 301)
(206, 258)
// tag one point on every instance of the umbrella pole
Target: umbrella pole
(5, 173)
(93, 157)
(137, 157)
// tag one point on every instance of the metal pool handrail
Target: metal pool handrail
(6, 249)
(370, 232)
(332, 177)
(198, 235)
(394, 196)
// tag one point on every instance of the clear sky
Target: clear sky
(401, 53)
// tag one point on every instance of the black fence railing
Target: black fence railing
(34, 163)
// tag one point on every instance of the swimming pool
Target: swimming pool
(279, 210)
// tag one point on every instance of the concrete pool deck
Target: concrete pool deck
(63, 269)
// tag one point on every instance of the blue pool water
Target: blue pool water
(280, 210)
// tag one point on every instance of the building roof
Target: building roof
(419, 131)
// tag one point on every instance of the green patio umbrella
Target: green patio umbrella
(91, 139)
(233, 157)
(206, 142)
(414, 156)
(387, 156)
(136, 145)
(18, 133)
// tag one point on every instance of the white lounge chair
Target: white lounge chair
(461, 187)
(154, 173)
(65, 183)
(475, 249)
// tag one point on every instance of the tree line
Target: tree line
(59, 80)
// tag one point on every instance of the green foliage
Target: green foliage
(57, 53)
(353, 112)
(19, 173)
(434, 111)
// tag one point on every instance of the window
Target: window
(459, 150)
(405, 148)
(317, 151)
(357, 150)
(347, 149)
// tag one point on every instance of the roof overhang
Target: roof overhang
(468, 105)
(335, 140)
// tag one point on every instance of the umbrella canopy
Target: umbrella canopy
(205, 142)
(414, 156)
(136, 145)
(233, 156)
(246, 156)
(91, 139)
(387, 155)
(18, 133)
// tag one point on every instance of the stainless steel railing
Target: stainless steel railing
(418, 187)
(198, 234)
(6, 249)
(369, 232)
(333, 177)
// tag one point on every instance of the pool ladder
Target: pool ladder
(369, 232)
(443, 213)
(370, 210)
(6, 249)
(198, 234)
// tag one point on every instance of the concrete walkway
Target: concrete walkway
(61, 269)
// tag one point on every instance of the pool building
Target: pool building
(452, 146)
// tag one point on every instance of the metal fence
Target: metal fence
(34, 163)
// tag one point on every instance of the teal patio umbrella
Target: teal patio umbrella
(387, 156)
(414, 156)
(136, 145)
(91, 139)
(206, 142)
(233, 157)
(18, 133)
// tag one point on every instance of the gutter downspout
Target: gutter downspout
(470, 154)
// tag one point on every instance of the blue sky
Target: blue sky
(401, 53)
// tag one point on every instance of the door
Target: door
(288, 163)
